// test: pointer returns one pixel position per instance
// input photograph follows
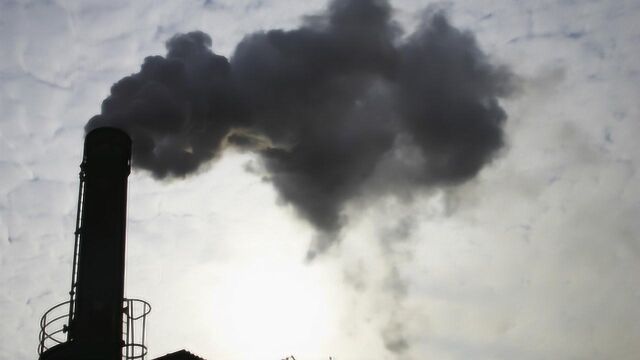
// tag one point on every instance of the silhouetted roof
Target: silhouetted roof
(180, 355)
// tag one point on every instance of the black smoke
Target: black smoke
(335, 103)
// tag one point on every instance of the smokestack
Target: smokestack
(101, 261)
(96, 313)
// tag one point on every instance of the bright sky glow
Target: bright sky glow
(274, 310)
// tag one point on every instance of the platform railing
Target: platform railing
(54, 327)
(134, 324)
(54, 324)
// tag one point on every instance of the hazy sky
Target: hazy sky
(536, 258)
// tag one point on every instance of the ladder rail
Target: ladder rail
(76, 247)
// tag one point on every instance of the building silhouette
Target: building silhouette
(98, 322)
(180, 355)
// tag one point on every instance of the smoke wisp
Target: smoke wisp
(342, 99)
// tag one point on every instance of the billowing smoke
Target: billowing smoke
(340, 103)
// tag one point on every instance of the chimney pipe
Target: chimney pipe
(97, 322)
(95, 327)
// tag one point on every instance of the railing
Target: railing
(55, 322)
(134, 328)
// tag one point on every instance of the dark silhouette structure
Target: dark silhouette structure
(180, 355)
(98, 323)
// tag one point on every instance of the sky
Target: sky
(535, 257)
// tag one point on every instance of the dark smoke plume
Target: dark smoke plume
(338, 101)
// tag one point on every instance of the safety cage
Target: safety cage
(54, 328)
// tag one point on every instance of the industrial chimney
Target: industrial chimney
(99, 321)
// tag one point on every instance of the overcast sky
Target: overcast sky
(538, 257)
